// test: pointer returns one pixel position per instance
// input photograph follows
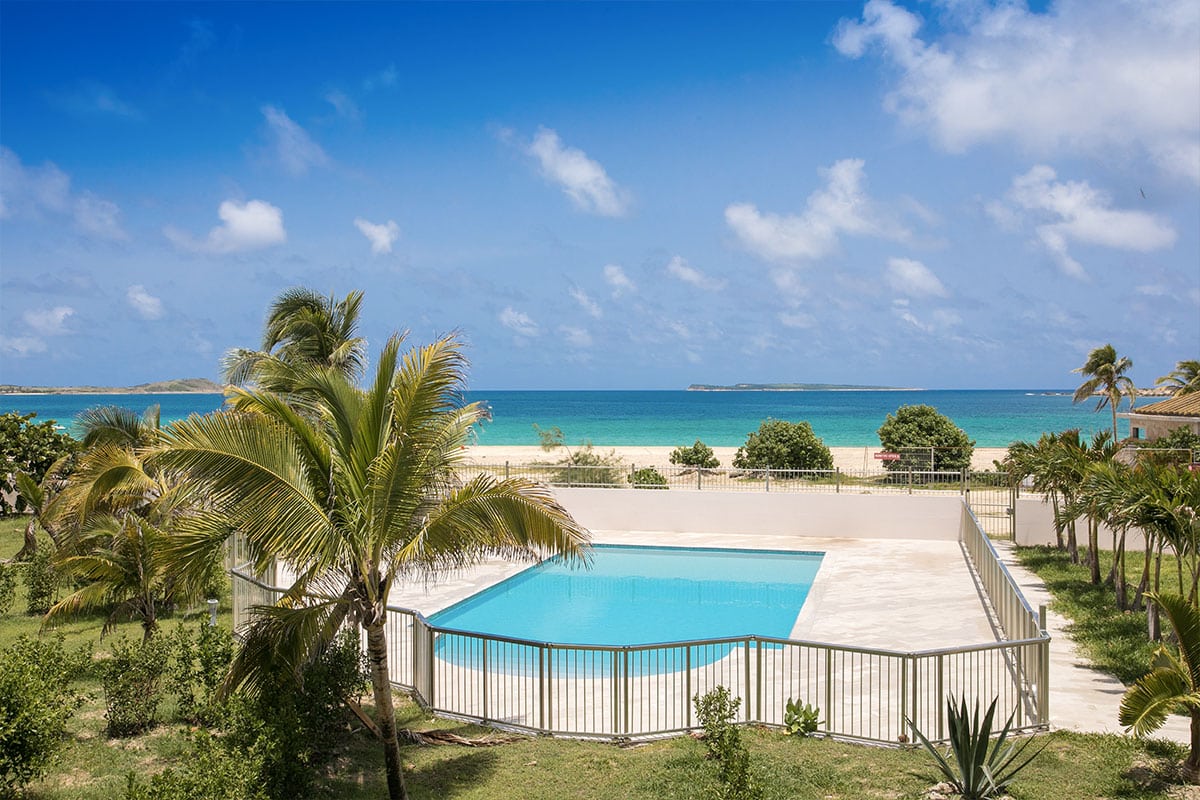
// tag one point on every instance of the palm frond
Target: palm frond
(1147, 704)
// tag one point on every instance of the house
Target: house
(1158, 419)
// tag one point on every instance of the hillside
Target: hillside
(177, 386)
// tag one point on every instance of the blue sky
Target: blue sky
(947, 194)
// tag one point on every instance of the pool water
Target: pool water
(644, 595)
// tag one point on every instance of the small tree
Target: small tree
(779, 444)
(698, 455)
(923, 427)
(29, 447)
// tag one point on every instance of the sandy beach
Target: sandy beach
(846, 459)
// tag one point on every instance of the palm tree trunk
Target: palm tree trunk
(385, 713)
(1058, 528)
(1154, 628)
(1191, 767)
(1094, 549)
(1120, 581)
(149, 621)
(1072, 542)
(30, 546)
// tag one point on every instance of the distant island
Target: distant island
(180, 386)
(795, 387)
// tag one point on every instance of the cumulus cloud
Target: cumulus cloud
(678, 267)
(252, 225)
(290, 144)
(145, 304)
(49, 321)
(380, 235)
(581, 179)
(1097, 77)
(39, 192)
(518, 322)
(576, 337)
(585, 302)
(1073, 211)
(912, 278)
(841, 206)
(21, 346)
(615, 277)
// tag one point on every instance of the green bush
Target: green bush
(133, 678)
(213, 770)
(779, 444)
(29, 447)
(41, 582)
(36, 700)
(801, 720)
(8, 587)
(198, 665)
(716, 713)
(925, 438)
(648, 478)
(698, 455)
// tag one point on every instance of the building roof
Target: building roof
(1187, 405)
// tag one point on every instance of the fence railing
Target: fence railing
(618, 692)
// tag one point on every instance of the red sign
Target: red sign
(887, 456)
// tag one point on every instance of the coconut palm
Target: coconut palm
(303, 328)
(1105, 373)
(1173, 682)
(1184, 379)
(1079, 463)
(355, 494)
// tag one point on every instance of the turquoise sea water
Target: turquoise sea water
(644, 595)
(993, 418)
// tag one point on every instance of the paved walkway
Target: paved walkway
(1081, 698)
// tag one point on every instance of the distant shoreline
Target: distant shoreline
(178, 386)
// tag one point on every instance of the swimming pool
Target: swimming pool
(634, 595)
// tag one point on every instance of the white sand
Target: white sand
(844, 458)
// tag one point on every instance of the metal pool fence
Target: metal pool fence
(631, 692)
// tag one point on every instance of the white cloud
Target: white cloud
(1104, 78)
(790, 286)
(679, 268)
(252, 225)
(585, 302)
(343, 104)
(913, 278)
(381, 236)
(48, 322)
(797, 319)
(618, 280)
(1153, 290)
(576, 337)
(581, 178)
(37, 192)
(291, 145)
(841, 206)
(519, 322)
(144, 303)
(21, 346)
(1073, 211)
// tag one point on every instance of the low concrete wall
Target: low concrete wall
(1035, 525)
(862, 516)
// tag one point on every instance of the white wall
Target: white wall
(888, 516)
(1035, 525)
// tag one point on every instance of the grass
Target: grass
(91, 766)
(1114, 641)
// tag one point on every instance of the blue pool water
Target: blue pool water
(644, 595)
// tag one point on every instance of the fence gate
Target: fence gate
(993, 498)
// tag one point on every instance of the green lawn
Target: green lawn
(1072, 766)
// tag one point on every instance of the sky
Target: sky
(952, 194)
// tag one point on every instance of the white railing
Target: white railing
(615, 692)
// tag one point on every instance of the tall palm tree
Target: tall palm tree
(303, 329)
(1184, 379)
(1104, 372)
(1173, 682)
(357, 493)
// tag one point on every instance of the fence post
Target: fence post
(505, 470)
(903, 695)
(699, 472)
(768, 479)
(829, 691)
(837, 474)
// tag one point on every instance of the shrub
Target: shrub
(41, 582)
(716, 712)
(779, 444)
(36, 700)
(133, 678)
(801, 720)
(197, 667)
(214, 770)
(8, 587)
(648, 478)
(1180, 446)
(698, 455)
(29, 447)
(924, 428)
(975, 766)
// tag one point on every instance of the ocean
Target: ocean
(993, 418)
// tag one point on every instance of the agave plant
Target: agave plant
(974, 765)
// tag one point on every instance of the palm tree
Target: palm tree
(356, 493)
(1184, 379)
(1104, 372)
(1081, 463)
(303, 329)
(1173, 682)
